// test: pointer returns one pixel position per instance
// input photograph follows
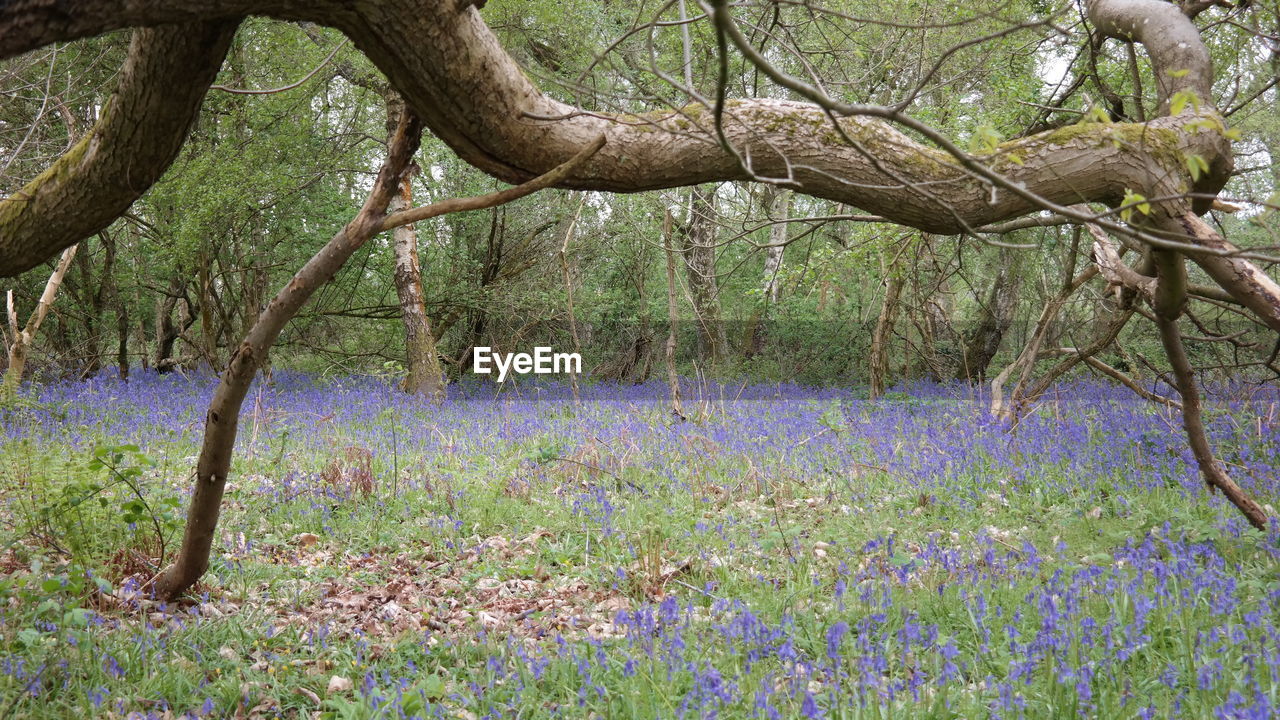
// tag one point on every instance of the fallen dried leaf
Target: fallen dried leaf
(338, 684)
(308, 695)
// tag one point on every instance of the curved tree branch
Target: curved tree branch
(473, 95)
(140, 131)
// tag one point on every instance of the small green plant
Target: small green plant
(1133, 201)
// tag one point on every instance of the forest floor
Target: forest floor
(785, 552)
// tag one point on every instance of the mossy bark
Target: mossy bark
(138, 135)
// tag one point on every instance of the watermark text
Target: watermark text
(543, 361)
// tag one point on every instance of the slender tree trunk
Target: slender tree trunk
(879, 356)
(489, 271)
(778, 202)
(20, 338)
(222, 419)
(673, 314)
(423, 372)
(1170, 299)
(568, 291)
(104, 297)
(122, 334)
(208, 331)
(700, 267)
(140, 333)
(995, 317)
(1024, 364)
(95, 295)
(167, 332)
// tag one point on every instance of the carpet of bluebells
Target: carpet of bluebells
(784, 552)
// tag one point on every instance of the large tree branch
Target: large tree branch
(139, 134)
(1246, 282)
(1179, 57)
(1168, 303)
(474, 96)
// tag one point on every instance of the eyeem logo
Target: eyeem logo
(542, 362)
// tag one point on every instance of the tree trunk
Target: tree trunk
(878, 372)
(167, 332)
(210, 330)
(140, 131)
(673, 314)
(778, 204)
(222, 420)
(21, 337)
(122, 331)
(995, 317)
(423, 372)
(100, 298)
(567, 276)
(80, 286)
(700, 270)
(1025, 363)
(223, 417)
(1168, 303)
(490, 269)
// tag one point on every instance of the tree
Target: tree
(20, 336)
(450, 68)
(423, 374)
(699, 252)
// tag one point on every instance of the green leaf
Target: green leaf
(1181, 99)
(1196, 165)
(432, 686)
(985, 139)
(77, 617)
(1131, 201)
(1097, 114)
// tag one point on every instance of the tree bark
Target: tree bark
(423, 372)
(138, 135)
(474, 97)
(1022, 366)
(223, 417)
(210, 329)
(878, 373)
(122, 336)
(1170, 299)
(995, 317)
(699, 254)
(22, 337)
(167, 332)
(673, 314)
(567, 276)
(778, 205)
